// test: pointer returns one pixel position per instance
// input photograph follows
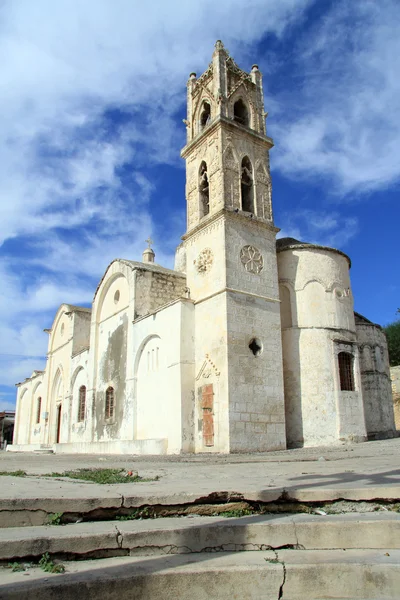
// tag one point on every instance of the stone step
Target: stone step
(203, 535)
(284, 575)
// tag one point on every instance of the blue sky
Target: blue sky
(93, 97)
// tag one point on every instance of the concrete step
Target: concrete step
(284, 575)
(203, 535)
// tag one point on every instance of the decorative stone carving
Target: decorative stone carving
(205, 260)
(229, 159)
(252, 260)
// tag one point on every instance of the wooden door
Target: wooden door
(58, 423)
(207, 406)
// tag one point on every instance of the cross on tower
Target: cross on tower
(149, 241)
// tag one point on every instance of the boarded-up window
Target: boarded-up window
(38, 409)
(82, 403)
(110, 403)
(207, 405)
(346, 371)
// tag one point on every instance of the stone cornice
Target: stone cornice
(215, 124)
(230, 213)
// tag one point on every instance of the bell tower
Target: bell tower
(231, 261)
(226, 127)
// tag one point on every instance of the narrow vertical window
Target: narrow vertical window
(38, 409)
(110, 403)
(82, 403)
(247, 187)
(204, 190)
(346, 371)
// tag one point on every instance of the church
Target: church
(250, 344)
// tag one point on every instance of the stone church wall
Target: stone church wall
(154, 289)
(317, 311)
(375, 378)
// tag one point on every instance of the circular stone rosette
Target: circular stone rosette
(252, 260)
(205, 260)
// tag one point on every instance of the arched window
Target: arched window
(346, 371)
(247, 187)
(204, 190)
(110, 403)
(38, 409)
(82, 403)
(205, 115)
(240, 113)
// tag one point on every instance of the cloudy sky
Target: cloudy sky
(92, 101)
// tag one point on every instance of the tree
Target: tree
(393, 338)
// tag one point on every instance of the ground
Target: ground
(302, 472)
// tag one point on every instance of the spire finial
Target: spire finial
(148, 255)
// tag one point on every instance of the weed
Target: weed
(136, 513)
(49, 566)
(16, 566)
(54, 518)
(102, 476)
(18, 473)
(273, 561)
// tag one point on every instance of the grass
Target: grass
(102, 476)
(18, 473)
(236, 512)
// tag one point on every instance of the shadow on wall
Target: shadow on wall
(291, 365)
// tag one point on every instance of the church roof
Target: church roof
(364, 321)
(149, 267)
(72, 308)
(289, 243)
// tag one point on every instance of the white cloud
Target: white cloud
(345, 122)
(320, 227)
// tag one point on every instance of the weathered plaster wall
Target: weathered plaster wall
(395, 379)
(27, 430)
(80, 431)
(317, 311)
(163, 358)
(375, 379)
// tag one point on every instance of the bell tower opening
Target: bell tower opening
(247, 188)
(204, 190)
(240, 113)
(205, 115)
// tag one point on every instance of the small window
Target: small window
(110, 404)
(247, 188)
(82, 403)
(346, 371)
(38, 409)
(240, 113)
(205, 115)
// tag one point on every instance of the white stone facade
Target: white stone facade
(244, 347)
